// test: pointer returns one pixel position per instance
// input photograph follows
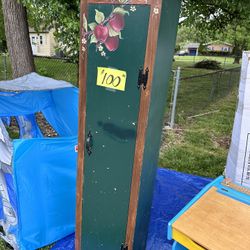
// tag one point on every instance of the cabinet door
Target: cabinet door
(111, 120)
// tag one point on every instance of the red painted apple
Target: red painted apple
(117, 22)
(101, 33)
(112, 43)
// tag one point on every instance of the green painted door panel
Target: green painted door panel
(112, 118)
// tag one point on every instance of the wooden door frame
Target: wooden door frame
(150, 55)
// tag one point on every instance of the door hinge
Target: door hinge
(143, 78)
(124, 246)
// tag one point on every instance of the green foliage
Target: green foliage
(191, 33)
(224, 20)
(206, 52)
(239, 36)
(63, 16)
(3, 45)
(208, 64)
(215, 14)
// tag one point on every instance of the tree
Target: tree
(219, 16)
(238, 36)
(62, 15)
(17, 36)
(190, 34)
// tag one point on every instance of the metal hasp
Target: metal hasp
(130, 44)
(143, 78)
(89, 143)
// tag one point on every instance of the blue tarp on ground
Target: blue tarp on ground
(173, 190)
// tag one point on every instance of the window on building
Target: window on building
(41, 40)
(33, 40)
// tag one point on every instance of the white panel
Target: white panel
(238, 162)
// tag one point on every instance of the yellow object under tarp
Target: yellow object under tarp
(185, 241)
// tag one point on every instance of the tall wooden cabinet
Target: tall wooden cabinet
(125, 63)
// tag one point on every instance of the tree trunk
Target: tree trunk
(237, 60)
(17, 36)
(237, 53)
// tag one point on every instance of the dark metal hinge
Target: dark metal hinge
(143, 78)
(124, 246)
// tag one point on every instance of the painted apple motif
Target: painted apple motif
(117, 22)
(112, 43)
(105, 31)
(101, 33)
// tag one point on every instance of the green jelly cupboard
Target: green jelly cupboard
(126, 56)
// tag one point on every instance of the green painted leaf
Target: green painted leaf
(99, 16)
(92, 26)
(120, 10)
(112, 32)
(85, 23)
(93, 39)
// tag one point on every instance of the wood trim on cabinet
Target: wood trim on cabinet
(154, 23)
(81, 128)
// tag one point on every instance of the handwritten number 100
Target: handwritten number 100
(109, 79)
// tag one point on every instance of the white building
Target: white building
(42, 43)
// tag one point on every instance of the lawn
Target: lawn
(199, 145)
(57, 68)
(51, 67)
(192, 59)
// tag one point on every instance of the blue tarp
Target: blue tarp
(59, 106)
(45, 189)
(173, 190)
(41, 183)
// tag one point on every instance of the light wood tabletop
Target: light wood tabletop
(217, 222)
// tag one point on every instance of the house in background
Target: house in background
(218, 46)
(42, 43)
(192, 49)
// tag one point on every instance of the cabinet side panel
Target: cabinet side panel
(163, 64)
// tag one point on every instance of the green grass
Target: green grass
(5, 68)
(192, 59)
(51, 67)
(58, 69)
(200, 145)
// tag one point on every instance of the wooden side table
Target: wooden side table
(218, 218)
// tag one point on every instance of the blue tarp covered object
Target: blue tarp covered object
(173, 190)
(45, 189)
(38, 185)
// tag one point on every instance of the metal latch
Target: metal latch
(143, 78)
(124, 246)
(89, 143)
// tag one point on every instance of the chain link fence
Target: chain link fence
(197, 95)
(5, 67)
(57, 68)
